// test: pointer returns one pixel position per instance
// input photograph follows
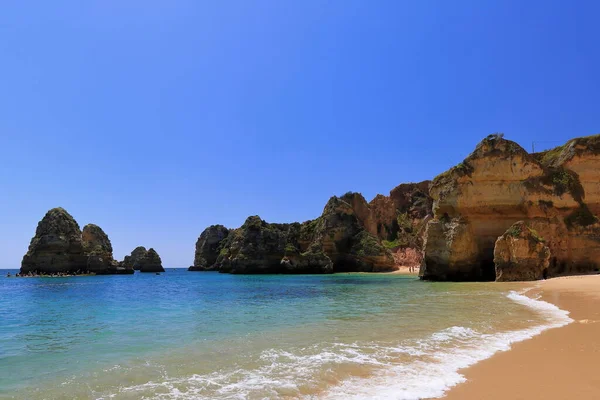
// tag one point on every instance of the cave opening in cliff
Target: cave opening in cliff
(346, 264)
(487, 267)
(488, 270)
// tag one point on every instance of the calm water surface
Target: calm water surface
(193, 335)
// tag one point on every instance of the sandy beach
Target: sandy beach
(560, 363)
(404, 270)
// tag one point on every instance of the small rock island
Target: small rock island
(60, 247)
(150, 262)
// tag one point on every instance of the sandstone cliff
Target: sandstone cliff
(401, 218)
(498, 184)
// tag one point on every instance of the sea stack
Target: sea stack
(56, 247)
(207, 248)
(151, 262)
(60, 247)
(99, 252)
(132, 261)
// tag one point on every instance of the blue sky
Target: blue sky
(156, 119)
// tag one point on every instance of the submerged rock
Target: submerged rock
(132, 261)
(56, 247)
(521, 254)
(151, 262)
(208, 247)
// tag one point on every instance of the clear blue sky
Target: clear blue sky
(155, 119)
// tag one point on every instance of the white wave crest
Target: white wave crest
(425, 368)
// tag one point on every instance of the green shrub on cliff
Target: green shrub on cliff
(536, 236)
(514, 231)
(366, 244)
(581, 217)
(565, 181)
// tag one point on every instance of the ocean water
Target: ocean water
(193, 335)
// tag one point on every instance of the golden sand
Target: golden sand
(562, 363)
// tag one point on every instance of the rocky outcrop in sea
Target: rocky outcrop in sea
(151, 262)
(207, 248)
(132, 261)
(556, 193)
(59, 246)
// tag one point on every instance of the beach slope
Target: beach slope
(558, 364)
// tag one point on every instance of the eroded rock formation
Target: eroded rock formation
(400, 220)
(207, 248)
(342, 239)
(56, 246)
(151, 262)
(132, 261)
(521, 254)
(498, 184)
(98, 250)
(59, 246)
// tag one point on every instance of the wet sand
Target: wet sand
(562, 363)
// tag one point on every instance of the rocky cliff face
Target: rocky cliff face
(56, 246)
(521, 254)
(498, 184)
(132, 261)
(342, 239)
(151, 262)
(207, 248)
(98, 250)
(59, 246)
(401, 219)
(347, 233)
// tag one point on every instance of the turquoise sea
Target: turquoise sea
(194, 335)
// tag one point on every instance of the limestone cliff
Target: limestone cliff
(498, 184)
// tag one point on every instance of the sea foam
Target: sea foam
(431, 380)
(425, 368)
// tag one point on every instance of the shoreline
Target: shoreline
(404, 270)
(556, 364)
